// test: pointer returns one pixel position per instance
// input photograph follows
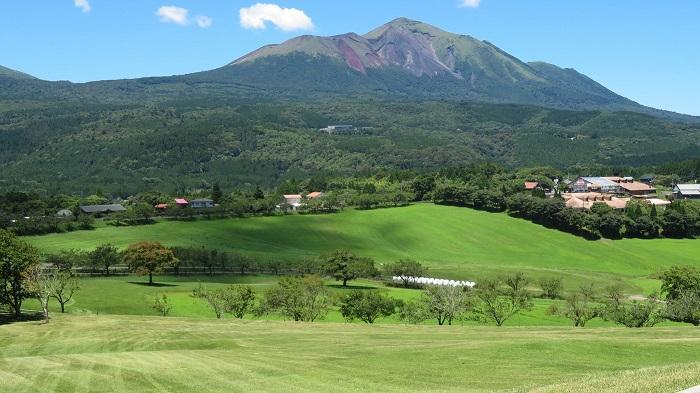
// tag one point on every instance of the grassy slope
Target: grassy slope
(454, 242)
(138, 354)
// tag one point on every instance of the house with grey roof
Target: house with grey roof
(595, 184)
(102, 209)
(686, 191)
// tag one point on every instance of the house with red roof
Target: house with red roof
(531, 185)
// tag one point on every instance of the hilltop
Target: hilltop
(415, 59)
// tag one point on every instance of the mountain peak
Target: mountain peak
(411, 57)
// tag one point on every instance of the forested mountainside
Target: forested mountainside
(418, 97)
(179, 144)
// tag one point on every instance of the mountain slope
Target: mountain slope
(12, 74)
(414, 59)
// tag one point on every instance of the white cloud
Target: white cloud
(83, 5)
(204, 22)
(469, 3)
(285, 19)
(172, 14)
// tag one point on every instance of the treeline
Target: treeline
(484, 186)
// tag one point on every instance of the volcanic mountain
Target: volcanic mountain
(414, 59)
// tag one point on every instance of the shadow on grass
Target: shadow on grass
(6, 319)
(349, 287)
(154, 285)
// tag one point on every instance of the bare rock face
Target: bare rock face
(409, 45)
(416, 59)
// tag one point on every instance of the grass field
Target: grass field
(149, 354)
(455, 242)
(128, 296)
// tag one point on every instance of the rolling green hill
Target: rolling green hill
(141, 354)
(457, 243)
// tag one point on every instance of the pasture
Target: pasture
(457, 243)
(129, 296)
(133, 354)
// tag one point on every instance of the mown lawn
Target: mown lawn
(133, 354)
(457, 243)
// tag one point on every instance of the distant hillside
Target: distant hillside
(12, 74)
(192, 142)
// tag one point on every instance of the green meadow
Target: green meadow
(112, 340)
(130, 296)
(101, 353)
(456, 243)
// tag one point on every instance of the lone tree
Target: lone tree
(406, 269)
(366, 306)
(493, 304)
(42, 285)
(66, 284)
(104, 256)
(679, 280)
(216, 299)
(240, 300)
(303, 299)
(580, 308)
(681, 284)
(149, 258)
(345, 266)
(445, 303)
(551, 287)
(16, 260)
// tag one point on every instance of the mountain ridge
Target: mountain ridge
(398, 56)
(6, 72)
(402, 59)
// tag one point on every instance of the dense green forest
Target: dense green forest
(176, 145)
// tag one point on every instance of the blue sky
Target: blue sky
(646, 50)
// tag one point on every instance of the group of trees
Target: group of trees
(640, 219)
(22, 276)
(482, 186)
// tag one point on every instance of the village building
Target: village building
(634, 188)
(181, 202)
(686, 191)
(595, 184)
(292, 200)
(202, 203)
(161, 206)
(587, 200)
(315, 195)
(531, 185)
(658, 202)
(102, 209)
